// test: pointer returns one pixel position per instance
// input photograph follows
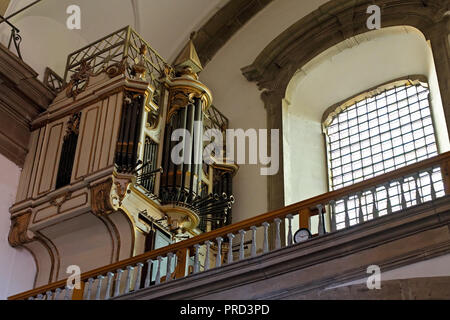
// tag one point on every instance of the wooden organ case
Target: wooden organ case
(99, 181)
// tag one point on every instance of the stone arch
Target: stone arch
(327, 26)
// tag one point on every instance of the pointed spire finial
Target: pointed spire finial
(188, 57)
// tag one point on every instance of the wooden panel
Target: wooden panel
(111, 116)
(100, 136)
(49, 167)
(85, 149)
(36, 161)
(25, 176)
(117, 111)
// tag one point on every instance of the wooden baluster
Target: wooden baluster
(387, 186)
(266, 237)
(360, 211)
(289, 236)
(432, 189)
(241, 246)
(169, 266)
(197, 259)
(118, 278)
(137, 283)
(219, 252)
(277, 233)
(108, 285)
(149, 270)
(403, 198)
(57, 293)
(90, 282)
(333, 215)
(207, 262)
(67, 293)
(417, 180)
(347, 218)
(321, 222)
(128, 280)
(99, 287)
(49, 295)
(230, 247)
(375, 206)
(253, 250)
(158, 271)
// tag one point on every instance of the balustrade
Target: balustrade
(337, 210)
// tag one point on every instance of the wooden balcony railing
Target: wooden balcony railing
(385, 194)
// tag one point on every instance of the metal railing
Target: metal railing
(15, 37)
(371, 199)
(53, 81)
(122, 46)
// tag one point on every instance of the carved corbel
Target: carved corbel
(101, 198)
(121, 188)
(107, 196)
(18, 233)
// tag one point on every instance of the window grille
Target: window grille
(379, 134)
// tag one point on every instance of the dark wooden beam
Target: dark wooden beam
(223, 25)
(22, 98)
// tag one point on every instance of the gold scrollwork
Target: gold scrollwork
(116, 69)
(180, 98)
(62, 199)
(79, 80)
(18, 233)
(101, 198)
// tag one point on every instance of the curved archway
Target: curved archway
(324, 28)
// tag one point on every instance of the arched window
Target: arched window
(389, 128)
(378, 132)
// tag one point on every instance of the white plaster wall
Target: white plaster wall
(240, 100)
(164, 24)
(17, 266)
(339, 73)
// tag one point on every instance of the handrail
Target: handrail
(442, 160)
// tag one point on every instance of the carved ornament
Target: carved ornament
(18, 233)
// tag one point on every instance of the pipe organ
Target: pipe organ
(100, 176)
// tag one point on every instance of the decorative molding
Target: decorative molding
(79, 81)
(62, 199)
(18, 233)
(101, 198)
(107, 196)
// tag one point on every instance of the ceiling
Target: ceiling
(165, 24)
